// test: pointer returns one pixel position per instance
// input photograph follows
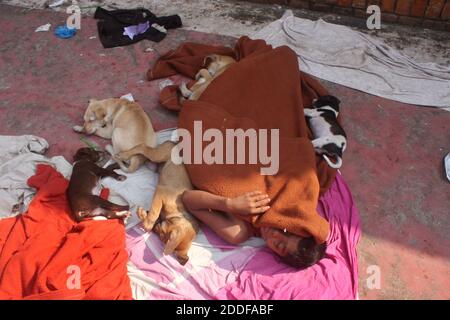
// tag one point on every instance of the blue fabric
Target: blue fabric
(64, 32)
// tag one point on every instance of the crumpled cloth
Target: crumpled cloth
(360, 61)
(134, 30)
(19, 156)
(45, 254)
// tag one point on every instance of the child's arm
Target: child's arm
(221, 214)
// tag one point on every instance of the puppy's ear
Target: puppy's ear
(336, 100)
(100, 113)
(81, 153)
(92, 100)
(208, 59)
(174, 240)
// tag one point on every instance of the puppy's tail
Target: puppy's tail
(135, 161)
(336, 165)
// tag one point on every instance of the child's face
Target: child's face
(280, 242)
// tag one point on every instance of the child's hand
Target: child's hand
(248, 204)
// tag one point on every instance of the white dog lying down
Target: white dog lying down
(330, 139)
(122, 121)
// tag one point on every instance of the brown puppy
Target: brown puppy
(167, 216)
(122, 121)
(84, 181)
(216, 65)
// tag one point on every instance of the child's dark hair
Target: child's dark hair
(308, 253)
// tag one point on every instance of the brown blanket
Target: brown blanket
(264, 90)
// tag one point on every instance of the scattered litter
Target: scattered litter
(141, 81)
(165, 83)
(64, 32)
(90, 143)
(160, 28)
(56, 3)
(93, 37)
(102, 55)
(128, 97)
(447, 166)
(149, 50)
(134, 30)
(44, 27)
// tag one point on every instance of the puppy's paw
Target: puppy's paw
(141, 213)
(124, 215)
(78, 129)
(122, 156)
(121, 177)
(185, 92)
(99, 218)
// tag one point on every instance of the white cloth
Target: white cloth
(19, 156)
(351, 58)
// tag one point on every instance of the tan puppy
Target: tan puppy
(122, 121)
(216, 65)
(176, 227)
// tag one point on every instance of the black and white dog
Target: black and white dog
(330, 139)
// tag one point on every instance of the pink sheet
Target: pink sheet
(217, 270)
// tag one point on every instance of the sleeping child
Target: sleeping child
(225, 217)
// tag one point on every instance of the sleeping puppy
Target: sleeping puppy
(216, 65)
(84, 182)
(330, 139)
(167, 215)
(122, 121)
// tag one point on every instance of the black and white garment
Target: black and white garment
(112, 26)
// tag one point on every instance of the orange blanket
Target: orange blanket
(44, 254)
(264, 90)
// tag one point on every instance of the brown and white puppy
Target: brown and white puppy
(122, 121)
(84, 183)
(216, 65)
(167, 215)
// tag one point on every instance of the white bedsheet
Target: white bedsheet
(357, 60)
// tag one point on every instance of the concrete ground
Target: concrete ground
(393, 164)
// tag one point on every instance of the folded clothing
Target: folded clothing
(263, 90)
(111, 26)
(45, 254)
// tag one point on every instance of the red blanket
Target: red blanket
(45, 254)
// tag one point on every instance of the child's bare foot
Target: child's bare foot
(254, 202)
